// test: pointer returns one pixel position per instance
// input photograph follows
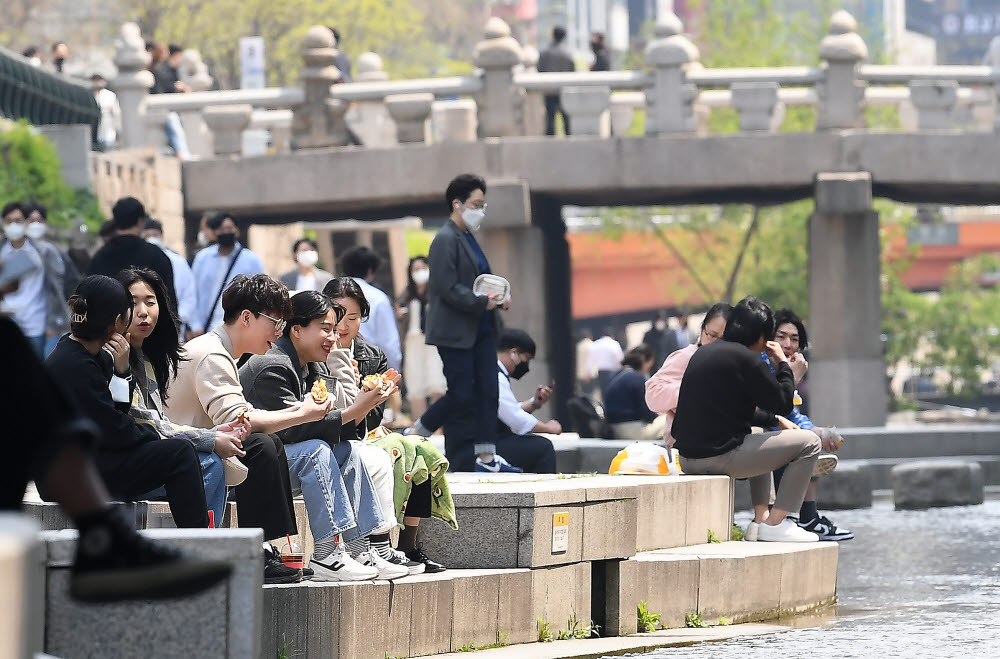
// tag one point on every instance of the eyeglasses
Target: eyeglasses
(279, 325)
(711, 335)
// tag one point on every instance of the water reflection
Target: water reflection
(912, 584)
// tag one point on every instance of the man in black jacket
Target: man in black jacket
(127, 248)
(555, 58)
(464, 327)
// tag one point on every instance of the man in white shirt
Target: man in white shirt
(605, 358)
(516, 423)
(360, 264)
(111, 113)
(22, 278)
(184, 284)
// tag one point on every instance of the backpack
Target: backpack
(587, 417)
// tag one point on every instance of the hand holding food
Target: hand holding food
(384, 383)
(319, 391)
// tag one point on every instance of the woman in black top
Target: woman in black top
(131, 457)
(726, 389)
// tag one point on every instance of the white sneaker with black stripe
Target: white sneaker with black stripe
(826, 530)
(339, 566)
(385, 569)
(397, 557)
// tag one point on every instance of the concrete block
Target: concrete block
(720, 587)
(476, 603)
(322, 619)
(808, 576)
(515, 597)
(22, 585)
(286, 608)
(709, 508)
(398, 625)
(486, 537)
(431, 612)
(849, 486)
(621, 584)
(926, 484)
(50, 516)
(361, 620)
(609, 529)
(668, 583)
(535, 536)
(561, 593)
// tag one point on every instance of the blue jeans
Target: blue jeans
(215, 485)
(339, 495)
(50, 343)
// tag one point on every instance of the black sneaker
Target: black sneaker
(115, 563)
(277, 572)
(430, 567)
(308, 572)
(826, 530)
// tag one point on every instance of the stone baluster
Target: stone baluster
(586, 107)
(841, 94)
(370, 120)
(410, 112)
(622, 115)
(758, 106)
(454, 120)
(534, 101)
(500, 103)
(194, 72)
(670, 98)
(319, 121)
(934, 101)
(227, 123)
(132, 84)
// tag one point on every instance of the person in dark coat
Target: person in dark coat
(555, 58)
(602, 60)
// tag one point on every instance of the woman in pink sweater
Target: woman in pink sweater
(663, 388)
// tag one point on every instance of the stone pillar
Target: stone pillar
(847, 379)
(934, 101)
(227, 123)
(586, 107)
(758, 106)
(534, 102)
(131, 84)
(841, 94)
(22, 587)
(410, 112)
(500, 102)
(370, 120)
(670, 99)
(194, 72)
(319, 121)
(622, 115)
(454, 120)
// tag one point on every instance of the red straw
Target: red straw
(289, 538)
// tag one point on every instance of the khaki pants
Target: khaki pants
(758, 456)
(640, 430)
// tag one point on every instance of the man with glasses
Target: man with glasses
(207, 387)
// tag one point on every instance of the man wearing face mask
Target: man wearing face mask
(187, 290)
(22, 278)
(464, 327)
(307, 277)
(515, 421)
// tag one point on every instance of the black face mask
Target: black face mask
(519, 371)
(226, 240)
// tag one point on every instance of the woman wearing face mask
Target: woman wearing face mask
(153, 358)
(22, 277)
(625, 398)
(131, 457)
(307, 277)
(422, 368)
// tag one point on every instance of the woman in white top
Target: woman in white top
(423, 372)
(306, 277)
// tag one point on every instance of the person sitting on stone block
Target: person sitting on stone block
(790, 333)
(207, 393)
(726, 388)
(625, 398)
(341, 498)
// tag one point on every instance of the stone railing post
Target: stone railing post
(670, 99)
(410, 112)
(319, 121)
(586, 107)
(934, 101)
(500, 102)
(841, 94)
(131, 84)
(758, 106)
(227, 123)
(370, 120)
(194, 71)
(534, 102)
(622, 115)
(454, 121)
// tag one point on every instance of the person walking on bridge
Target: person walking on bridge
(555, 58)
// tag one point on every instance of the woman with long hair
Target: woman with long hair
(423, 372)
(154, 355)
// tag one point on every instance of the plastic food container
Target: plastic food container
(493, 285)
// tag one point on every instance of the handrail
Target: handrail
(41, 96)
(376, 91)
(892, 74)
(275, 98)
(783, 75)
(554, 81)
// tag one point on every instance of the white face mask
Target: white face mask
(36, 230)
(308, 258)
(14, 230)
(473, 218)
(153, 240)
(202, 239)
(421, 276)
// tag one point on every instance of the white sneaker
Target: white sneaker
(786, 531)
(824, 465)
(339, 566)
(750, 534)
(399, 558)
(387, 570)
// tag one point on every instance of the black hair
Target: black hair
(750, 320)
(97, 76)
(516, 339)
(307, 306)
(128, 212)
(10, 207)
(216, 220)
(95, 305)
(257, 294)
(174, 49)
(359, 261)
(40, 208)
(558, 33)
(30, 52)
(786, 315)
(411, 286)
(161, 347)
(347, 287)
(597, 37)
(461, 187)
(336, 35)
(638, 356)
(718, 310)
(107, 229)
(153, 225)
(310, 241)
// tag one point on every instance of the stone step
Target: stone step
(22, 579)
(508, 522)
(741, 581)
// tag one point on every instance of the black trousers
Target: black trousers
(419, 503)
(552, 106)
(264, 499)
(168, 463)
(533, 454)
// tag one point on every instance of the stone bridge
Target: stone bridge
(415, 135)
